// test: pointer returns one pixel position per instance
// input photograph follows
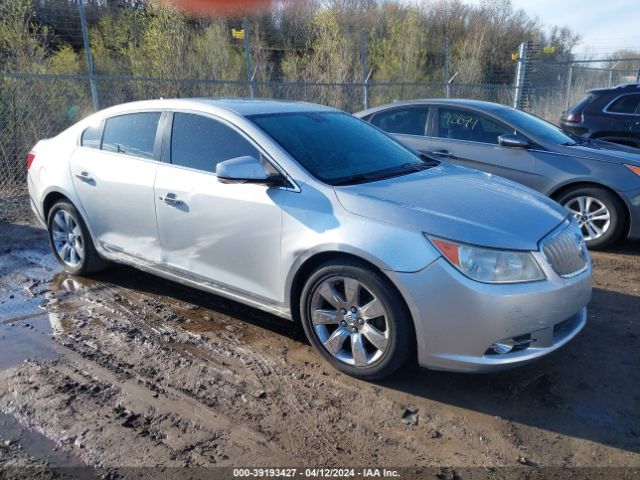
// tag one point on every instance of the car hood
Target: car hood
(603, 151)
(459, 204)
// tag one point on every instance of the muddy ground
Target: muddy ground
(127, 370)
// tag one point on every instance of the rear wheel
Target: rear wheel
(356, 320)
(70, 240)
(599, 213)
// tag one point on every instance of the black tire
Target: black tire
(401, 335)
(613, 204)
(90, 262)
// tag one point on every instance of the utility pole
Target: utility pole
(363, 69)
(520, 75)
(247, 55)
(87, 52)
(447, 66)
(568, 92)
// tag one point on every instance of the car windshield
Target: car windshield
(338, 148)
(536, 127)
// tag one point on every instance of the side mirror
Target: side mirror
(246, 169)
(513, 140)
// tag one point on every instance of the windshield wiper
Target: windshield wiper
(405, 169)
(352, 180)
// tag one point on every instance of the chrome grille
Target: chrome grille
(566, 251)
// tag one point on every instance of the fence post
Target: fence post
(363, 69)
(447, 66)
(247, 56)
(610, 77)
(568, 92)
(520, 75)
(87, 51)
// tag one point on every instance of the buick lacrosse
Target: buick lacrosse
(311, 214)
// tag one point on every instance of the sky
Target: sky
(604, 25)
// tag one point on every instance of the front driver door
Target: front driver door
(468, 138)
(226, 235)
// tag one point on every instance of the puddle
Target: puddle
(29, 338)
(35, 444)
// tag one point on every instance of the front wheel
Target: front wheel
(355, 318)
(599, 214)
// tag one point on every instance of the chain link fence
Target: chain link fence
(37, 106)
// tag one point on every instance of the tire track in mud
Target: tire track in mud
(267, 374)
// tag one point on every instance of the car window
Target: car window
(335, 146)
(582, 104)
(408, 121)
(200, 142)
(92, 136)
(131, 134)
(625, 104)
(536, 127)
(460, 124)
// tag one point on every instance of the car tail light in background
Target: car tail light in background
(31, 156)
(575, 117)
(633, 168)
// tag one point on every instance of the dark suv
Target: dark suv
(611, 114)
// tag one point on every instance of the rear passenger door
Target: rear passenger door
(407, 124)
(113, 173)
(469, 138)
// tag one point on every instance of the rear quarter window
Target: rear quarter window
(92, 136)
(582, 104)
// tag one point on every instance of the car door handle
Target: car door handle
(171, 199)
(84, 176)
(444, 154)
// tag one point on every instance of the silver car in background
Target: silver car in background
(598, 182)
(313, 215)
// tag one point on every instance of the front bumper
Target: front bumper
(458, 319)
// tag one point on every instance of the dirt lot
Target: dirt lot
(125, 370)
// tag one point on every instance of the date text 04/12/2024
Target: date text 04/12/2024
(315, 473)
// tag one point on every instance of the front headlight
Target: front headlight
(489, 265)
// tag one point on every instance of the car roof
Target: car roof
(451, 102)
(622, 88)
(239, 106)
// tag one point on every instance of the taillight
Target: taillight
(30, 158)
(575, 117)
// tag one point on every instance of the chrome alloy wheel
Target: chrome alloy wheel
(592, 215)
(350, 322)
(67, 238)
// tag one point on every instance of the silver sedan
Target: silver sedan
(313, 215)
